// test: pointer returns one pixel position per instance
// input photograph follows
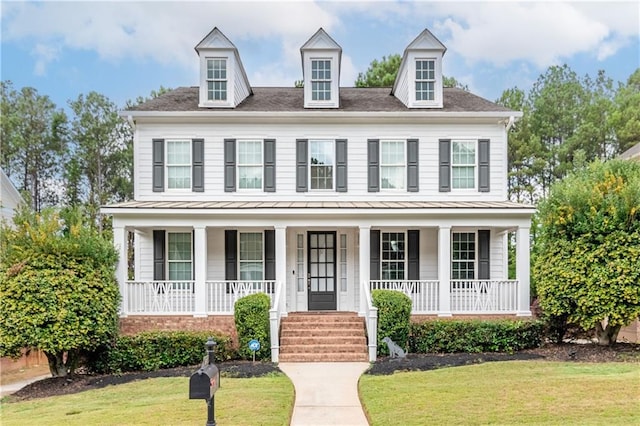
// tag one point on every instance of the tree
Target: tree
(452, 82)
(34, 143)
(58, 288)
(587, 253)
(380, 73)
(625, 119)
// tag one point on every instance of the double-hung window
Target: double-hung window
(392, 165)
(425, 79)
(393, 256)
(463, 256)
(321, 161)
(217, 79)
(321, 79)
(463, 164)
(180, 256)
(178, 164)
(251, 256)
(250, 164)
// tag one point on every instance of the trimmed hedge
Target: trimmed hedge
(251, 314)
(149, 351)
(394, 317)
(475, 336)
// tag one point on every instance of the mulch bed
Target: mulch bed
(413, 362)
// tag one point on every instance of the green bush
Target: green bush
(475, 336)
(251, 315)
(394, 317)
(149, 351)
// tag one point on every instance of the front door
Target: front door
(321, 277)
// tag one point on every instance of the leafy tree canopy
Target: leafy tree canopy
(587, 262)
(58, 288)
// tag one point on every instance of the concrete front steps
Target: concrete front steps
(323, 337)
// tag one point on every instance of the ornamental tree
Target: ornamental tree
(58, 288)
(587, 262)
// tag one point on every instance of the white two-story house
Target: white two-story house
(317, 195)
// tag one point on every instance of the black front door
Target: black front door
(321, 278)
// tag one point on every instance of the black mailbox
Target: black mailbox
(204, 382)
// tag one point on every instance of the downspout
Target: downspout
(510, 123)
(132, 122)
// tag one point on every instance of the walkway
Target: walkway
(14, 387)
(326, 392)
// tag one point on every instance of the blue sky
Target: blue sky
(126, 49)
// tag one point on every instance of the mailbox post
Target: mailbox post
(205, 382)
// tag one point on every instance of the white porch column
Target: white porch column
(444, 270)
(200, 270)
(120, 243)
(364, 255)
(281, 263)
(522, 272)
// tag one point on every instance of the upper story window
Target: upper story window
(463, 164)
(179, 259)
(425, 79)
(217, 79)
(320, 79)
(178, 164)
(463, 256)
(393, 258)
(321, 160)
(392, 165)
(250, 164)
(251, 256)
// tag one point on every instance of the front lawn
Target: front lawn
(512, 392)
(266, 400)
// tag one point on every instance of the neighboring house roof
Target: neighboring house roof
(290, 99)
(633, 152)
(10, 198)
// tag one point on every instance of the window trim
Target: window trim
(169, 261)
(214, 80)
(167, 165)
(475, 255)
(238, 165)
(476, 167)
(263, 257)
(405, 261)
(311, 166)
(416, 80)
(382, 165)
(323, 80)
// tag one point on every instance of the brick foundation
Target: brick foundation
(422, 318)
(221, 323)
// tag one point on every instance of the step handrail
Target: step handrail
(370, 319)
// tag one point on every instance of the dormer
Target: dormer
(223, 80)
(321, 57)
(419, 80)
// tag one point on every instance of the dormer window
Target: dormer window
(217, 79)
(321, 79)
(425, 79)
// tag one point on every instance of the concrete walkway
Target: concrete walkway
(326, 392)
(14, 387)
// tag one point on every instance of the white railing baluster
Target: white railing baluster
(423, 293)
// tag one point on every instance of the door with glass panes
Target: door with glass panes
(321, 270)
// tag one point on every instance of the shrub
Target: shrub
(394, 317)
(475, 336)
(251, 314)
(155, 350)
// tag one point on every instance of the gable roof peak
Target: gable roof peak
(215, 40)
(321, 40)
(426, 41)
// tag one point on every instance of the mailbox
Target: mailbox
(204, 382)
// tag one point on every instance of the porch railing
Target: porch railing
(484, 296)
(424, 295)
(371, 321)
(159, 297)
(222, 295)
(277, 311)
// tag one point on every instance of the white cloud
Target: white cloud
(44, 55)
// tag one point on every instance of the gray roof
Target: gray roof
(288, 99)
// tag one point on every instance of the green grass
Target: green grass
(507, 393)
(164, 401)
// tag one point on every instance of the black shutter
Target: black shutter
(483, 164)
(484, 238)
(158, 165)
(444, 169)
(413, 247)
(159, 251)
(301, 165)
(269, 165)
(412, 165)
(373, 168)
(229, 165)
(374, 254)
(341, 165)
(197, 165)
(230, 255)
(269, 254)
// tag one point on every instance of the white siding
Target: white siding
(146, 254)
(286, 136)
(498, 256)
(240, 87)
(215, 254)
(429, 254)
